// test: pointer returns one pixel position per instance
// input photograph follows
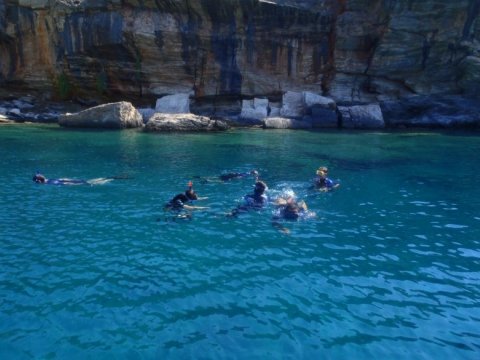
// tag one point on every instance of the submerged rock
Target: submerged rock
(108, 116)
(161, 122)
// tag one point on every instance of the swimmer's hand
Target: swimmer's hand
(280, 202)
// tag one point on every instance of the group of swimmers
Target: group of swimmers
(287, 205)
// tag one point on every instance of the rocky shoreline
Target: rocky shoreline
(296, 110)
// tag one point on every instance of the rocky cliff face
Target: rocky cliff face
(351, 50)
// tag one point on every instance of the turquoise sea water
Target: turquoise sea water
(388, 269)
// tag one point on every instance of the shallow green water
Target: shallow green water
(389, 268)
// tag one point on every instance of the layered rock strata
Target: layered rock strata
(350, 50)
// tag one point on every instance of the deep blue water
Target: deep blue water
(388, 269)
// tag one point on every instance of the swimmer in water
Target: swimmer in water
(288, 208)
(237, 175)
(180, 201)
(41, 179)
(257, 200)
(322, 182)
(230, 176)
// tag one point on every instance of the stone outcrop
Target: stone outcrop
(119, 115)
(161, 122)
(5, 120)
(146, 113)
(173, 104)
(293, 105)
(256, 109)
(285, 123)
(321, 111)
(432, 112)
(361, 117)
(314, 100)
(323, 118)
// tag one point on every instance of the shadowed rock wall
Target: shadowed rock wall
(351, 50)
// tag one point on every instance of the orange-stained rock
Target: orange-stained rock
(349, 50)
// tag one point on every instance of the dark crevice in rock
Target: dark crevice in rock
(473, 11)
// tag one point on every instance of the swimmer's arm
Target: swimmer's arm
(192, 207)
(280, 202)
(202, 198)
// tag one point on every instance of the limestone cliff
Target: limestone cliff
(351, 50)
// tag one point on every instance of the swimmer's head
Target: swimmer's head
(291, 211)
(260, 187)
(321, 174)
(322, 170)
(191, 195)
(39, 178)
(254, 172)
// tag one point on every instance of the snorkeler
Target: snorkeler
(229, 176)
(257, 200)
(41, 179)
(237, 175)
(180, 201)
(290, 208)
(322, 182)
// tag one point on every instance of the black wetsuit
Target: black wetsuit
(230, 176)
(178, 201)
(324, 183)
(42, 180)
(255, 200)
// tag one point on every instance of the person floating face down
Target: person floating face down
(322, 182)
(254, 201)
(290, 208)
(180, 201)
(41, 179)
(236, 175)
